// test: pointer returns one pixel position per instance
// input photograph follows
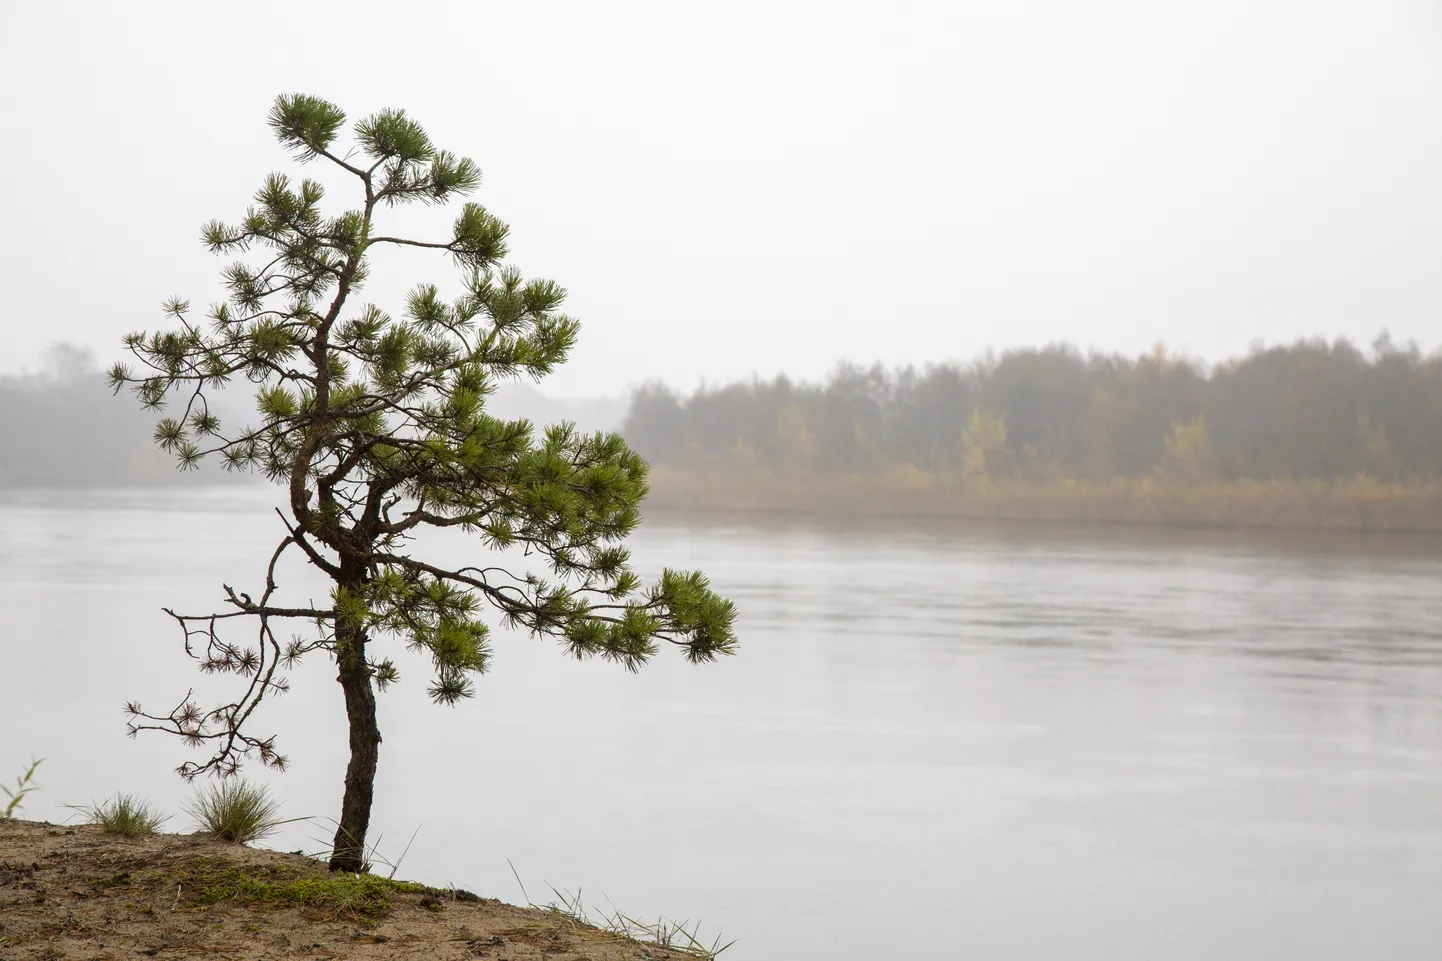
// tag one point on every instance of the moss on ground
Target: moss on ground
(359, 897)
(81, 893)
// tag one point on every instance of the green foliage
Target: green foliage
(357, 897)
(24, 784)
(235, 810)
(125, 815)
(375, 424)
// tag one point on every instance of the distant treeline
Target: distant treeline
(1315, 435)
(1311, 435)
(1311, 411)
(62, 428)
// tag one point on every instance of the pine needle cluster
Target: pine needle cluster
(375, 424)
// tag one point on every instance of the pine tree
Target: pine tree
(376, 427)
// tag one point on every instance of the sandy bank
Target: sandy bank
(76, 892)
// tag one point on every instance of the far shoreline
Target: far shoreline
(1358, 506)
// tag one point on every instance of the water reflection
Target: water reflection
(1006, 742)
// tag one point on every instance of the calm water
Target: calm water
(938, 742)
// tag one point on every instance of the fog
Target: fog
(63, 426)
(773, 187)
(1042, 400)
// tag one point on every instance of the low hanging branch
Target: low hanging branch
(376, 427)
(223, 726)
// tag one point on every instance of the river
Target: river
(937, 741)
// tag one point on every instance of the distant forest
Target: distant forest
(1310, 435)
(1312, 411)
(62, 428)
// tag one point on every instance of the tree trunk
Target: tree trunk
(348, 851)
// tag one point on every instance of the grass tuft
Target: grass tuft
(125, 815)
(370, 857)
(235, 811)
(683, 937)
(24, 784)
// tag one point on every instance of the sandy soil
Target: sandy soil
(77, 893)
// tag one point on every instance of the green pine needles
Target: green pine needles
(376, 426)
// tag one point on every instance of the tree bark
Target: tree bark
(348, 850)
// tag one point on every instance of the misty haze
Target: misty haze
(764, 481)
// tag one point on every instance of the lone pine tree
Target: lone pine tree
(376, 426)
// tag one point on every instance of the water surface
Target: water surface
(938, 740)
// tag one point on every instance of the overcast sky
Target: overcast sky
(741, 187)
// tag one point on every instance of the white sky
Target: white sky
(743, 187)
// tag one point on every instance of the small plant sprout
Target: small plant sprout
(24, 784)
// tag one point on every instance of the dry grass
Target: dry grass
(125, 815)
(1360, 504)
(683, 937)
(235, 811)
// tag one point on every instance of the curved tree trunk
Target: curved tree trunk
(348, 850)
